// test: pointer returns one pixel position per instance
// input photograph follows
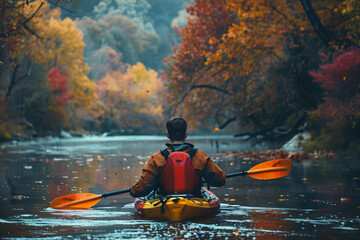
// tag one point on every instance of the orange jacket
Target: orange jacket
(201, 162)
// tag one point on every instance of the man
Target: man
(179, 168)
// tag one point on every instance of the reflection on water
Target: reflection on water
(318, 200)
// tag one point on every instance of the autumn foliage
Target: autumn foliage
(253, 68)
(130, 98)
(255, 63)
(336, 123)
(58, 81)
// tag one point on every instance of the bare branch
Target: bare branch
(210, 87)
(15, 80)
(315, 22)
(227, 122)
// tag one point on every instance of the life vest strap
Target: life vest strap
(165, 152)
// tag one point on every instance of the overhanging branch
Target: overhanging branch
(315, 22)
(210, 87)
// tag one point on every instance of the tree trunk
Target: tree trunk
(315, 22)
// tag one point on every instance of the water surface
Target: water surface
(318, 200)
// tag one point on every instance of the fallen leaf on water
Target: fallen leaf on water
(232, 200)
(237, 231)
(345, 199)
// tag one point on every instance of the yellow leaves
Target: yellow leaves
(137, 91)
(61, 44)
(226, 76)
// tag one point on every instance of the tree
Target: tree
(256, 70)
(208, 21)
(122, 35)
(131, 99)
(60, 44)
(46, 41)
(336, 123)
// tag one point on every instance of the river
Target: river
(319, 199)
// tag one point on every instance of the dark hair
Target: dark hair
(176, 128)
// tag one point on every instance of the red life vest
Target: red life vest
(179, 176)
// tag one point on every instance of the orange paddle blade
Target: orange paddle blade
(271, 169)
(76, 201)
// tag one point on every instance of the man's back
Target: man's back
(156, 174)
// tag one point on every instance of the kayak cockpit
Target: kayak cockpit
(178, 207)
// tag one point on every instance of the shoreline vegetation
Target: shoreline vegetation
(293, 149)
(266, 70)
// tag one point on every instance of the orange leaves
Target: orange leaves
(212, 41)
(208, 21)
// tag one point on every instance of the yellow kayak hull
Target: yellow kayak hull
(178, 208)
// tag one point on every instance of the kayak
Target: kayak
(178, 207)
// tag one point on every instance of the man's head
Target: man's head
(176, 129)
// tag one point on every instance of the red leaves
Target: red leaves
(341, 79)
(58, 86)
(342, 75)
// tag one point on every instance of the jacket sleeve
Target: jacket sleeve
(210, 171)
(147, 181)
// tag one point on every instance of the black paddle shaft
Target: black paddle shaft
(230, 175)
(104, 195)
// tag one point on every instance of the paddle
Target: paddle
(266, 170)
